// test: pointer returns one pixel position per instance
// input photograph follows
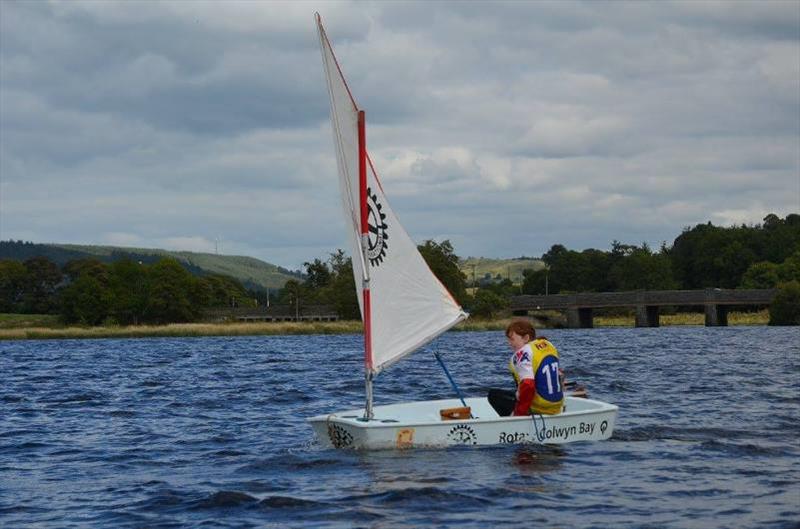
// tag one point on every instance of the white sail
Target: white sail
(344, 121)
(408, 306)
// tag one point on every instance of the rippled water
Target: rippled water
(211, 432)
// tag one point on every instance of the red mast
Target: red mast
(362, 185)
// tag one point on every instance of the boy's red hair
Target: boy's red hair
(521, 328)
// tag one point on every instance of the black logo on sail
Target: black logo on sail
(376, 250)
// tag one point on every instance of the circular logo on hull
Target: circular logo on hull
(376, 223)
(462, 434)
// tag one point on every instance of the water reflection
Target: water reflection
(444, 471)
(538, 459)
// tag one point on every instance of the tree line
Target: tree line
(765, 255)
(705, 256)
(87, 291)
(90, 292)
(331, 282)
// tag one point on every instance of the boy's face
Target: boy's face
(516, 341)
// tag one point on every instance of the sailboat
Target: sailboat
(404, 306)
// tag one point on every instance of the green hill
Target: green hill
(494, 267)
(253, 273)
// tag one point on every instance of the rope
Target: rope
(450, 378)
(539, 436)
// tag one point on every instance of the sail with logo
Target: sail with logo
(403, 304)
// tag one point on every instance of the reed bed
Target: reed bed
(327, 327)
(686, 318)
(553, 319)
(183, 330)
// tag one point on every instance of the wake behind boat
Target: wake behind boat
(404, 306)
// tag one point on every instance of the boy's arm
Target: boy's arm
(525, 391)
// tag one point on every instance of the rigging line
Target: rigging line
(539, 437)
(452, 382)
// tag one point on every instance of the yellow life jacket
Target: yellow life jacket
(549, 398)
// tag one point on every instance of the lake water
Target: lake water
(211, 432)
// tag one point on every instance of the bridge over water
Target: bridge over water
(274, 313)
(578, 307)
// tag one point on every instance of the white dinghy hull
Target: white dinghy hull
(418, 424)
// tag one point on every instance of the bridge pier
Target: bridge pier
(716, 316)
(579, 318)
(647, 316)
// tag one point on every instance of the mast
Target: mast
(362, 186)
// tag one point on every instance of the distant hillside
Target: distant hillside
(495, 267)
(253, 273)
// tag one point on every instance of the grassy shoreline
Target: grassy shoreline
(31, 329)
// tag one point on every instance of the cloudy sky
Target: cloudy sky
(504, 127)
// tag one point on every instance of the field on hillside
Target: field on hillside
(249, 270)
(503, 267)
